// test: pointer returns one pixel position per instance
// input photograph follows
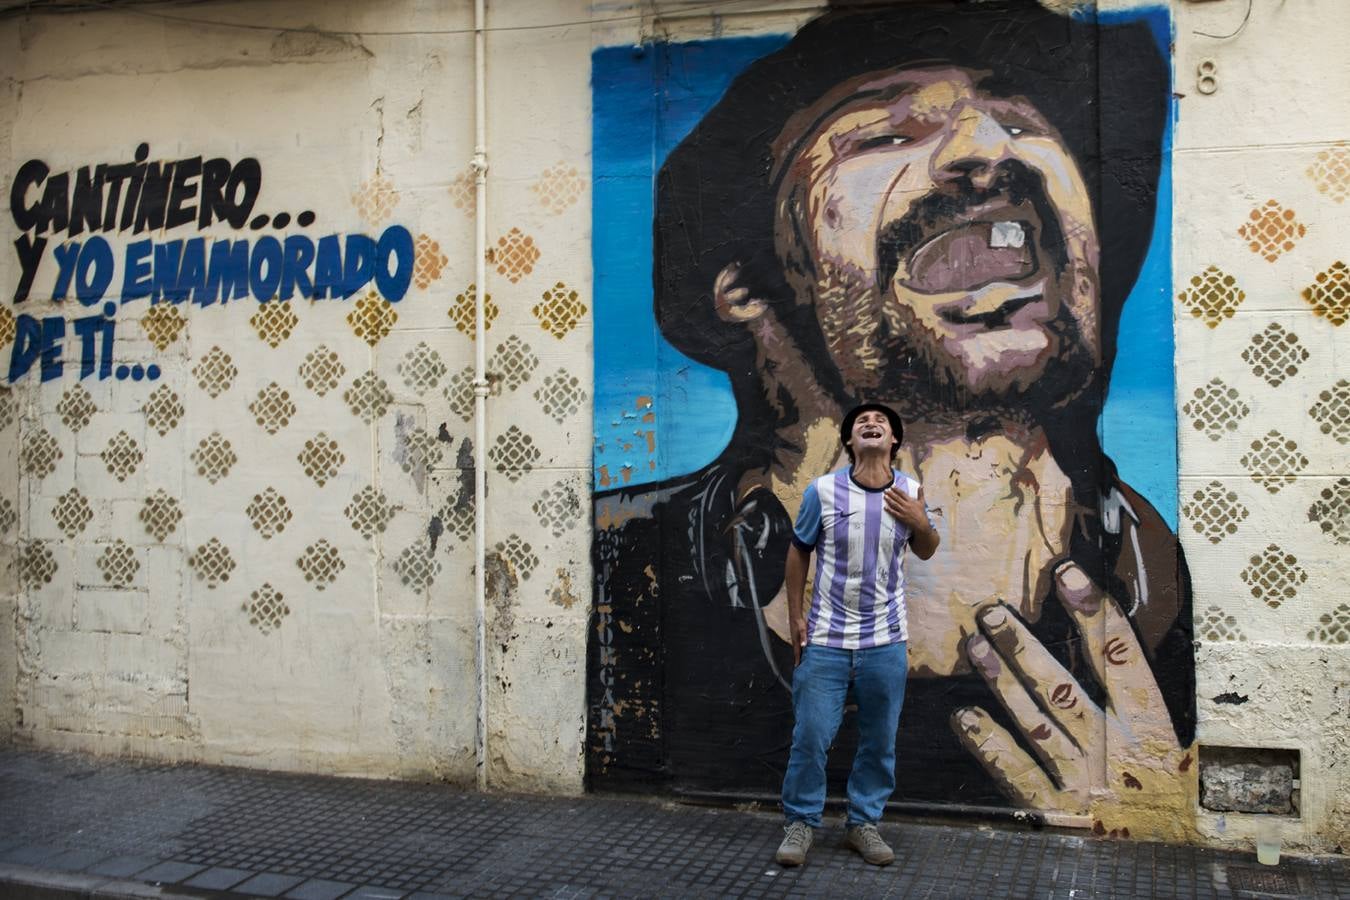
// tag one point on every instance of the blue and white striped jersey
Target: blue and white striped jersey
(859, 595)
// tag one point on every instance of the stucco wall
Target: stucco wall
(263, 555)
(1262, 175)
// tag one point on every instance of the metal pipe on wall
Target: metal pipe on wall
(480, 386)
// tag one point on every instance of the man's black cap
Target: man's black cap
(897, 427)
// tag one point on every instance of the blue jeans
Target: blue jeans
(819, 686)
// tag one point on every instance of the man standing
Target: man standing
(860, 518)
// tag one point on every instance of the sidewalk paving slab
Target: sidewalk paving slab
(78, 826)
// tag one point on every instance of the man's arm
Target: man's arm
(797, 561)
(913, 512)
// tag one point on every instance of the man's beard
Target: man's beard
(883, 352)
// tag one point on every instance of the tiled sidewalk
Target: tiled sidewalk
(73, 826)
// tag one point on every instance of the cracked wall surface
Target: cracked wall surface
(244, 532)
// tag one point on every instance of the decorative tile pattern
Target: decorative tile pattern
(72, 512)
(163, 409)
(558, 508)
(160, 515)
(462, 311)
(266, 608)
(272, 409)
(7, 326)
(1274, 460)
(1216, 409)
(422, 368)
(162, 324)
(322, 370)
(8, 515)
(37, 566)
(39, 453)
(372, 318)
(122, 456)
(214, 457)
(514, 453)
(1271, 230)
(1218, 626)
(428, 261)
(421, 451)
(459, 393)
(514, 362)
(515, 255)
(1214, 512)
(462, 192)
(8, 408)
(118, 564)
(1274, 576)
(269, 512)
(368, 398)
(417, 567)
(558, 187)
(213, 563)
(1332, 512)
(1331, 172)
(1331, 412)
(1329, 294)
(519, 554)
(76, 407)
(1213, 296)
(369, 512)
(215, 372)
(1275, 354)
(559, 311)
(274, 321)
(375, 200)
(560, 395)
(321, 564)
(1333, 627)
(321, 458)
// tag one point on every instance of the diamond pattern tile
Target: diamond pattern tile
(213, 563)
(162, 324)
(1214, 512)
(1271, 230)
(273, 408)
(321, 458)
(1330, 171)
(214, 457)
(76, 407)
(215, 372)
(1274, 461)
(72, 512)
(269, 512)
(1331, 512)
(163, 410)
(274, 321)
(322, 370)
(369, 397)
(372, 318)
(122, 456)
(1212, 296)
(1329, 294)
(1216, 409)
(1331, 412)
(1274, 576)
(1275, 354)
(160, 514)
(266, 608)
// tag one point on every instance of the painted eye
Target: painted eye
(885, 140)
(1014, 130)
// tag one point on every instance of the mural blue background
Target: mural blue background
(645, 100)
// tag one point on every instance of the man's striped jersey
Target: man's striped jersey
(859, 595)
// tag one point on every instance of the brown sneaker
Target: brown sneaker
(867, 841)
(796, 841)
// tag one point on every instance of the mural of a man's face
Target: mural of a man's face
(943, 229)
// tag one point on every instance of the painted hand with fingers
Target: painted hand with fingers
(1121, 762)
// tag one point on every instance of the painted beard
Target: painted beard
(980, 302)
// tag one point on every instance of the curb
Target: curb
(26, 883)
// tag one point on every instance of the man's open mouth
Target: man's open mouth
(998, 246)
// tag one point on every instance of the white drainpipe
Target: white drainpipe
(480, 385)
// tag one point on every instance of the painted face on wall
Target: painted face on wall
(941, 229)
